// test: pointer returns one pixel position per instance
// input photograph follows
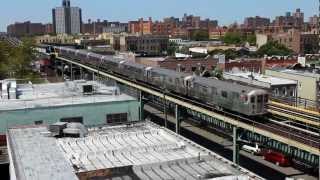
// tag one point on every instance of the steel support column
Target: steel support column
(141, 106)
(71, 72)
(178, 118)
(62, 70)
(165, 111)
(93, 76)
(235, 156)
(81, 73)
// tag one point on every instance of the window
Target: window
(259, 98)
(284, 91)
(193, 69)
(117, 118)
(253, 99)
(72, 120)
(224, 94)
(38, 122)
(276, 92)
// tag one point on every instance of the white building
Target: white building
(66, 19)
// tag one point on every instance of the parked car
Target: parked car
(253, 148)
(278, 158)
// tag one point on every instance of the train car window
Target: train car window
(253, 99)
(214, 90)
(266, 98)
(259, 100)
(224, 94)
(235, 95)
(205, 89)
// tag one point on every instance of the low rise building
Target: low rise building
(308, 84)
(144, 44)
(132, 151)
(59, 39)
(116, 27)
(87, 102)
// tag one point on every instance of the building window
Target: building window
(117, 118)
(276, 92)
(284, 91)
(72, 120)
(38, 122)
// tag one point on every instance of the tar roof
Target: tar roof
(140, 151)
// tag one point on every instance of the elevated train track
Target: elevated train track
(296, 139)
(295, 114)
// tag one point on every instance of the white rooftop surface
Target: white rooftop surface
(273, 81)
(61, 94)
(301, 73)
(152, 151)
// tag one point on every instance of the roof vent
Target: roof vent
(87, 89)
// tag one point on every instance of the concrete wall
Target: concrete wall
(93, 114)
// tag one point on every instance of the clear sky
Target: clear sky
(226, 11)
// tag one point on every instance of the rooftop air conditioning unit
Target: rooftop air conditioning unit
(57, 128)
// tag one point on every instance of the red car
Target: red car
(278, 158)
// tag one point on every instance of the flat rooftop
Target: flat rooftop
(298, 72)
(249, 77)
(135, 151)
(60, 94)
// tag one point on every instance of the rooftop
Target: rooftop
(258, 79)
(298, 72)
(134, 151)
(24, 96)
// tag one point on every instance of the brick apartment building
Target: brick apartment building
(26, 29)
(256, 22)
(141, 26)
(299, 42)
(149, 45)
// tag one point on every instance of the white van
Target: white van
(252, 148)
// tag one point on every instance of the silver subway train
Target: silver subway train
(225, 95)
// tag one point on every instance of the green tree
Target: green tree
(172, 48)
(251, 39)
(232, 38)
(238, 38)
(218, 73)
(231, 54)
(274, 48)
(15, 61)
(200, 35)
(216, 51)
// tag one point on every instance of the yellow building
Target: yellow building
(308, 83)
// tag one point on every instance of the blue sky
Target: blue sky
(226, 11)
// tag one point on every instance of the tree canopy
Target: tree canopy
(238, 38)
(274, 48)
(15, 62)
(200, 35)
